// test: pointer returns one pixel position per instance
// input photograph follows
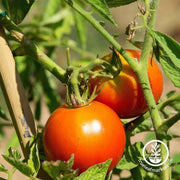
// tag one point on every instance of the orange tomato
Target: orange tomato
(93, 133)
(124, 93)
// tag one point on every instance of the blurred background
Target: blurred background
(54, 32)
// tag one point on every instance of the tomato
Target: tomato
(93, 133)
(124, 93)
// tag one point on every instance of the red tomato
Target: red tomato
(124, 93)
(93, 133)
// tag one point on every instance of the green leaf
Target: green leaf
(144, 126)
(175, 104)
(51, 8)
(80, 24)
(22, 167)
(101, 7)
(33, 161)
(131, 157)
(13, 142)
(64, 27)
(2, 134)
(14, 153)
(3, 114)
(171, 70)
(60, 23)
(126, 163)
(3, 169)
(57, 169)
(176, 159)
(51, 96)
(150, 136)
(97, 172)
(38, 109)
(2, 178)
(175, 175)
(116, 3)
(56, 18)
(169, 45)
(18, 9)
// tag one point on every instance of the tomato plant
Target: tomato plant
(93, 133)
(124, 93)
(33, 35)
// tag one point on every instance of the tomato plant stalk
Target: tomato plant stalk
(139, 67)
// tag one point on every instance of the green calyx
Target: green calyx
(78, 92)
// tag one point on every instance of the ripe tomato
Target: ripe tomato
(124, 93)
(93, 133)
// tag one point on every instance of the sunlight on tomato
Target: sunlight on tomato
(93, 133)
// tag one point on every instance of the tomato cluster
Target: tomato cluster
(94, 133)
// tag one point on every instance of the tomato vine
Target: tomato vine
(37, 42)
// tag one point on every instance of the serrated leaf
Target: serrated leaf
(116, 3)
(33, 161)
(3, 169)
(101, 7)
(18, 9)
(13, 142)
(96, 172)
(22, 167)
(144, 126)
(3, 114)
(58, 169)
(14, 153)
(172, 71)
(129, 161)
(169, 45)
(126, 163)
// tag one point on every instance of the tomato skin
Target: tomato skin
(93, 133)
(124, 93)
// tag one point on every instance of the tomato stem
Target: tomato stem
(100, 28)
(144, 80)
(68, 57)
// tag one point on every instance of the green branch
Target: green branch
(130, 126)
(168, 123)
(108, 36)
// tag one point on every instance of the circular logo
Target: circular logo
(152, 152)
